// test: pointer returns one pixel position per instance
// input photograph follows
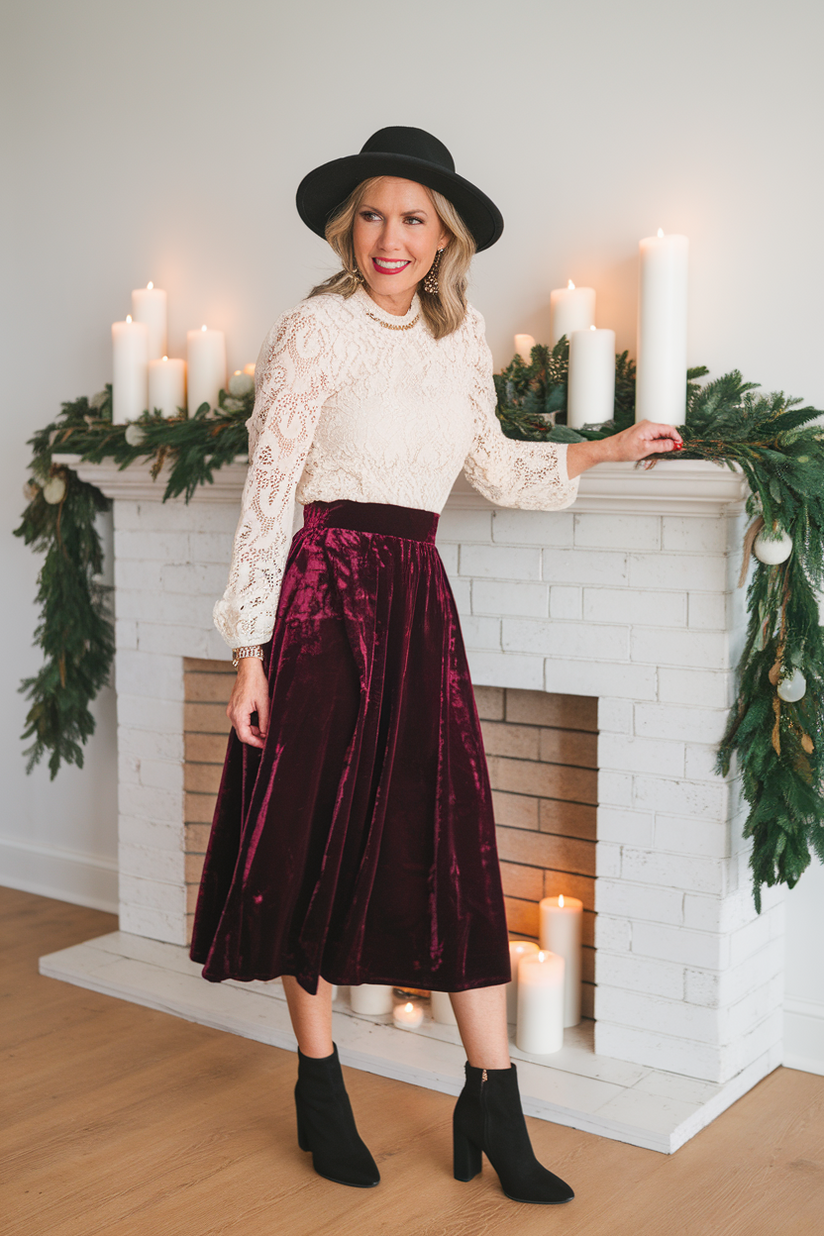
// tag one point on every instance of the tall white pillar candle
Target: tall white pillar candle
(661, 383)
(130, 370)
(370, 998)
(591, 391)
(517, 950)
(206, 351)
(167, 385)
(561, 919)
(540, 1027)
(149, 306)
(442, 1009)
(570, 309)
(523, 346)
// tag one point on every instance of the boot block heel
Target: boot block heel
(466, 1157)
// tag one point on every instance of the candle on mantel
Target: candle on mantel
(407, 1016)
(523, 346)
(167, 385)
(570, 309)
(206, 352)
(661, 382)
(370, 998)
(517, 950)
(149, 306)
(442, 1010)
(540, 1028)
(130, 370)
(561, 919)
(591, 390)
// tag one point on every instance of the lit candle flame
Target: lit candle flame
(661, 232)
(570, 286)
(203, 328)
(165, 358)
(592, 328)
(561, 896)
(149, 286)
(542, 956)
(128, 317)
(236, 374)
(409, 1007)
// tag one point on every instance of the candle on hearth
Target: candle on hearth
(130, 370)
(442, 1009)
(523, 346)
(591, 390)
(540, 1028)
(561, 920)
(370, 998)
(407, 1016)
(206, 351)
(149, 306)
(570, 309)
(661, 383)
(517, 950)
(167, 385)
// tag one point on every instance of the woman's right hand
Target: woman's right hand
(250, 694)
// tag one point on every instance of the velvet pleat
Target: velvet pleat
(359, 844)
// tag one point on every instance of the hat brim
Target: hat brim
(323, 190)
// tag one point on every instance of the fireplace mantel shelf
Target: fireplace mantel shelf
(683, 487)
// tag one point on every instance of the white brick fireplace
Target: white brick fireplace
(629, 596)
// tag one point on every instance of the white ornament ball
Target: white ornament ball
(241, 383)
(134, 434)
(793, 688)
(54, 491)
(772, 550)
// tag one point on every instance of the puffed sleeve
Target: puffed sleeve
(529, 475)
(292, 382)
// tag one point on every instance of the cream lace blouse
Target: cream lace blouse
(345, 408)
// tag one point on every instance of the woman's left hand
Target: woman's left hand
(640, 440)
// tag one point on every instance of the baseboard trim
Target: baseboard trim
(804, 1035)
(65, 875)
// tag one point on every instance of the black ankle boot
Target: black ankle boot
(326, 1125)
(488, 1118)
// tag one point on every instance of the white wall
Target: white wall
(165, 140)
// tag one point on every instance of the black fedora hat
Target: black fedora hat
(412, 154)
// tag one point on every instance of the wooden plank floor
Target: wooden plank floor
(120, 1120)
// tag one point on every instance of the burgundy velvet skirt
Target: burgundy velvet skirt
(359, 844)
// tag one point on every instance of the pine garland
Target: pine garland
(779, 745)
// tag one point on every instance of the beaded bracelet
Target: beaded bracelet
(239, 654)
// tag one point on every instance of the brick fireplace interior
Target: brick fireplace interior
(541, 751)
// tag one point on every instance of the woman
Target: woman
(353, 839)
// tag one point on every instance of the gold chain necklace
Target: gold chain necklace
(390, 325)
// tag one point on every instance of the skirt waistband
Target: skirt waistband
(380, 517)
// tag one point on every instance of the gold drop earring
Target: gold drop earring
(430, 283)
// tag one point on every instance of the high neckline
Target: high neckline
(372, 307)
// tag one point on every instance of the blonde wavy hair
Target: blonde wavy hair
(443, 311)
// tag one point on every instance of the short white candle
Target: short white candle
(661, 383)
(130, 370)
(370, 998)
(167, 385)
(540, 1027)
(149, 306)
(206, 352)
(407, 1016)
(570, 309)
(517, 950)
(561, 920)
(591, 391)
(442, 1010)
(523, 346)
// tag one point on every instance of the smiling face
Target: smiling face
(396, 234)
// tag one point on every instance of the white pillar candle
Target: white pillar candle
(149, 306)
(206, 352)
(442, 1010)
(540, 1027)
(370, 998)
(407, 1016)
(561, 919)
(661, 384)
(167, 385)
(570, 309)
(591, 391)
(523, 346)
(130, 370)
(517, 950)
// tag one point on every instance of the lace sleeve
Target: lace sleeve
(292, 381)
(529, 475)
